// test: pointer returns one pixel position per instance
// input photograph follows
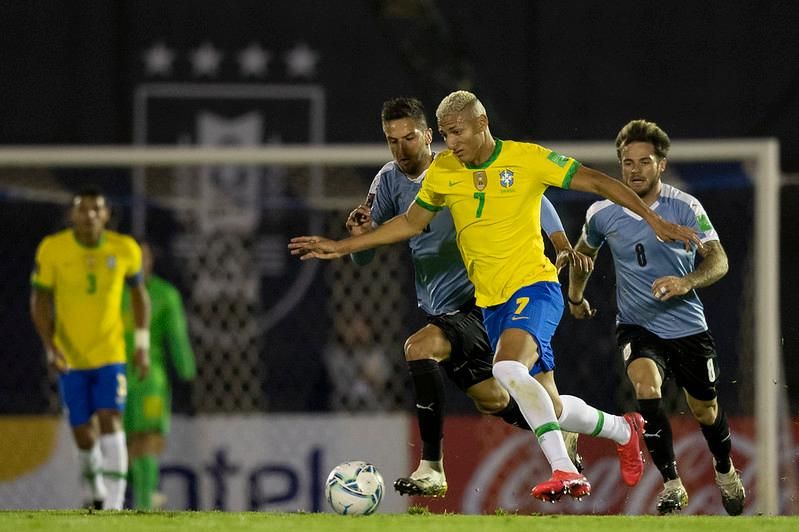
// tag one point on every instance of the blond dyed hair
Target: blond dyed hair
(459, 101)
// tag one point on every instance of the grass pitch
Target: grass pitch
(130, 521)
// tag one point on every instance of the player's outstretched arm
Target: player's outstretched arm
(568, 255)
(589, 180)
(714, 266)
(359, 222)
(553, 227)
(44, 322)
(397, 229)
(140, 302)
(579, 307)
(177, 337)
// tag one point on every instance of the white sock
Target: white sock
(115, 468)
(536, 406)
(674, 483)
(435, 465)
(577, 416)
(91, 468)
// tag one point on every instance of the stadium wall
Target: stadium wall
(280, 463)
(230, 463)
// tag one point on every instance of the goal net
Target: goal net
(273, 334)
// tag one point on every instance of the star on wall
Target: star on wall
(301, 61)
(253, 60)
(158, 60)
(205, 60)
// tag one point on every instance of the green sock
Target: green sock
(145, 480)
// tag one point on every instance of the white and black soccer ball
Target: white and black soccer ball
(354, 488)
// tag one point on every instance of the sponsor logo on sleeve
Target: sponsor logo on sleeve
(704, 222)
(558, 159)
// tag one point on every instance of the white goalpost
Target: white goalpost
(761, 156)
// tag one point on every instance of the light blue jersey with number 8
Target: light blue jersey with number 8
(640, 258)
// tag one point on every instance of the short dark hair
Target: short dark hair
(643, 131)
(88, 192)
(397, 108)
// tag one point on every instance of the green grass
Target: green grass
(128, 521)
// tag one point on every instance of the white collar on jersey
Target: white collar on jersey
(631, 214)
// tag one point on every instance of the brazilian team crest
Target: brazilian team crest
(111, 262)
(480, 180)
(506, 178)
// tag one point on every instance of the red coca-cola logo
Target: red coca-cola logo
(490, 466)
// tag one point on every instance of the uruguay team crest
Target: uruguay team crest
(480, 180)
(506, 178)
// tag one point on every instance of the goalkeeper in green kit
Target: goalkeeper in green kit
(149, 400)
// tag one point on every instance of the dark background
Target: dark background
(545, 70)
(548, 70)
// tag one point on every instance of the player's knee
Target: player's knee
(489, 406)
(646, 383)
(645, 371)
(418, 347)
(644, 390)
(84, 440)
(110, 421)
(154, 443)
(488, 396)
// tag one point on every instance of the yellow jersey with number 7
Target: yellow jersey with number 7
(497, 212)
(87, 284)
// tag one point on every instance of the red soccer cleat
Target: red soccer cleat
(561, 483)
(630, 459)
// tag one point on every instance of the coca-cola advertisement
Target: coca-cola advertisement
(492, 466)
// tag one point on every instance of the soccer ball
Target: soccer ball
(354, 488)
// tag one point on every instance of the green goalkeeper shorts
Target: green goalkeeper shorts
(148, 405)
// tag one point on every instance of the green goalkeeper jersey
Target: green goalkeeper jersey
(168, 339)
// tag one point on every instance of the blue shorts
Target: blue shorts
(537, 309)
(84, 391)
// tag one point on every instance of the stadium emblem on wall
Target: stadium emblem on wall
(231, 234)
(480, 180)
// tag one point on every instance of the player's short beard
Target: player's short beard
(651, 186)
(415, 167)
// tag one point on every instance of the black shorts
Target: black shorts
(471, 358)
(691, 360)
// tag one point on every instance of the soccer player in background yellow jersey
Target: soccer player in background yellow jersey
(493, 190)
(76, 306)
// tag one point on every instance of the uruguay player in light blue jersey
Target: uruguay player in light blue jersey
(454, 338)
(661, 326)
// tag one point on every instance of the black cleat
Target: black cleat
(429, 484)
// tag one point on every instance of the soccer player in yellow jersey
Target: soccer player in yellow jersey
(76, 306)
(493, 190)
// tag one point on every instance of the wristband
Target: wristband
(575, 303)
(141, 339)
